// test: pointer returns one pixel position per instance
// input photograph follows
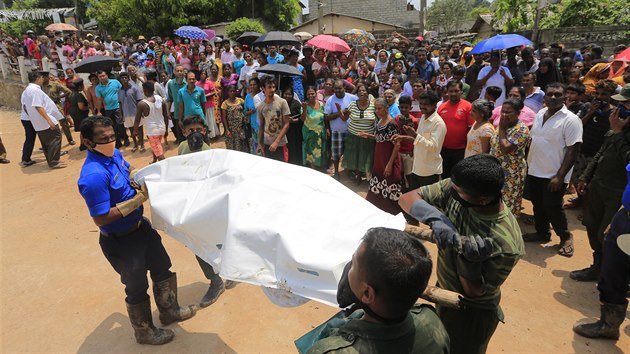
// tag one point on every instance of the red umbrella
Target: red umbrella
(329, 43)
(625, 55)
(419, 38)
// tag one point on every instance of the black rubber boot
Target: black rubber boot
(142, 323)
(588, 274)
(217, 287)
(165, 293)
(608, 326)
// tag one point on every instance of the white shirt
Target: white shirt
(33, 97)
(550, 142)
(154, 122)
(247, 72)
(494, 80)
(427, 160)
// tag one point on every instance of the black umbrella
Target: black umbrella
(96, 63)
(248, 37)
(277, 38)
(279, 69)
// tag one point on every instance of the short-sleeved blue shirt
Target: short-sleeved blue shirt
(105, 182)
(193, 103)
(109, 94)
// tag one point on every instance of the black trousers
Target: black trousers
(450, 158)
(416, 181)
(601, 208)
(133, 255)
(29, 141)
(119, 128)
(207, 269)
(615, 271)
(177, 131)
(548, 207)
(51, 144)
(275, 155)
(469, 329)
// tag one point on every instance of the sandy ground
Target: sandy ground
(59, 294)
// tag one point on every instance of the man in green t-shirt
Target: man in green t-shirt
(388, 271)
(479, 243)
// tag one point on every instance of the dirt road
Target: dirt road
(59, 294)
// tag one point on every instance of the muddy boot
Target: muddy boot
(608, 326)
(588, 274)
(217, 287)
(142, 323)
(165, 294)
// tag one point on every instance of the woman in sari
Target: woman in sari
(229, 78)
(216, 81)
(209, 90)
(599, 71)
(313, 132)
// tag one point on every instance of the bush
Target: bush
(241, 25)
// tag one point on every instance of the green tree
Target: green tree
(573, 13)
(447, 16)
(479, 10)
(21, 26)
(514, 15)
(243, 24)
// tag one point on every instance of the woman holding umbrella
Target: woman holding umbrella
(298, 85)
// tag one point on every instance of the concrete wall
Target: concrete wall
(390, 11)
(337, 24)
(11, 93)
(576, 37)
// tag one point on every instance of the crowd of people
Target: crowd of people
(404, 115)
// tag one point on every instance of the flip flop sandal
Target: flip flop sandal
(135, 148)
(142, 149)
(566, 249)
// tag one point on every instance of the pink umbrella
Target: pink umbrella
(329, 43)
(211, 34)
(625, 55)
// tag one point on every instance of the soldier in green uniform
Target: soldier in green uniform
(56, 91)
(387, 274)
(477, 264)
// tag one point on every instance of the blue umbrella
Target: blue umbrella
(191, 32)
(500, 41)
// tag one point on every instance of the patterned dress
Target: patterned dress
(514, 165)
(384, 192)
(314, 136)
(236, 121)
(217, 100)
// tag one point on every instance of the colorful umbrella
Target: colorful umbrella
(329, 43)
(191, 32)
(211, 34)
(500, 41)
(419, 38)
(625, 55)
(357, 37)
(305, 36)
(61, 27)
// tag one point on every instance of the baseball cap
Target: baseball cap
(624, 95)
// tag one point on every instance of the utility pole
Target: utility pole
(535, 29)
(253, 2)
(320, 16)
(423, 16)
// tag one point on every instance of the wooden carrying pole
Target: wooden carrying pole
(434, 294)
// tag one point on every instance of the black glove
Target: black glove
(476, 249)
(443, 229)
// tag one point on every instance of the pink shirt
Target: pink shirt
(185, 62)
(527, 116)
(208, 87)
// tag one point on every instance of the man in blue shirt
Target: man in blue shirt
(107, 93)
(274, 57)
(128, 240)
(426, 70)
(192, 99)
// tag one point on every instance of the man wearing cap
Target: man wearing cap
(44, 116)
(56, 91)
(605, 179)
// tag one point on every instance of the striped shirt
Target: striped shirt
(502, 228)
(361, 120)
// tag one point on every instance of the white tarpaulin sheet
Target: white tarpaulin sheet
(261, 221)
